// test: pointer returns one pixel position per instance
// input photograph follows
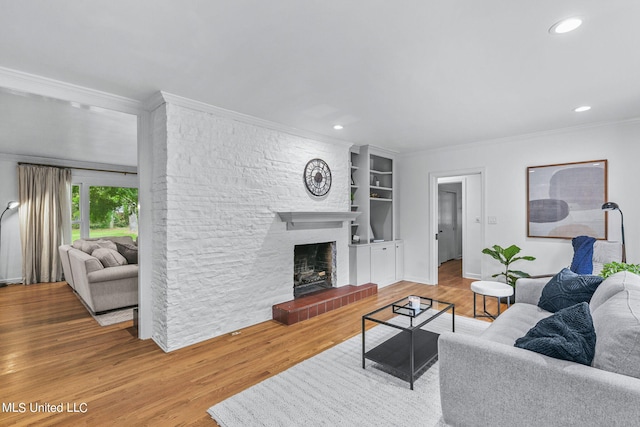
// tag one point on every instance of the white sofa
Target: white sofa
(100, 288)
(485, 380)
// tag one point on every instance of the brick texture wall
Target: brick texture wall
(221, 256)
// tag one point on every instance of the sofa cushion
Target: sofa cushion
(129, 251)
(514, 323)
(109, 257)
(617, 325)
(127, 240)
(566, 289)
(605, 252)
(88, 246)
(568, 334)
(107, 244)
(612, 285)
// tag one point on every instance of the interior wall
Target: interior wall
(10, 246)
(222, 256)
(505, 162)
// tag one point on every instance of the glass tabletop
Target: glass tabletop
(415, 308)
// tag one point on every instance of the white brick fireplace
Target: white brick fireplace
(222, 256)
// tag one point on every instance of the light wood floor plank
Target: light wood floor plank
(53, 351)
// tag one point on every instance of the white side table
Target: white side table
(492, 289)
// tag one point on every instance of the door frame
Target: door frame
(433, 214)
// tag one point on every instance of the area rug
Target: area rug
(113, 317)
(332, 389)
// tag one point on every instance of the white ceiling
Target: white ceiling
(38, 126)
(406, 75)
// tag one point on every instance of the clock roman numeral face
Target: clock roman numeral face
(317, 177)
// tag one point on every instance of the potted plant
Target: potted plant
(614, 267)
(507, 256)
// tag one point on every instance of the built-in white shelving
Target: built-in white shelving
(375, 255)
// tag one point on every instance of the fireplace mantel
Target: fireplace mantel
(310, 220)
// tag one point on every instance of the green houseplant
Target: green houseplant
(614, 267)
(507, 256)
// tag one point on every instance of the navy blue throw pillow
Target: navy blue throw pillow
(566, 289)
(568, 335)
(582, 262)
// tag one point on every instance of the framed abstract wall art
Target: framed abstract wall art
(565, 200)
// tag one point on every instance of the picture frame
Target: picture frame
(565, 200)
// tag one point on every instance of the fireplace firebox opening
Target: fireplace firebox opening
(314, 268)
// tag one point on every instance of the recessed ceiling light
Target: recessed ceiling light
(338, 127)
(582, 109)
(565, 25)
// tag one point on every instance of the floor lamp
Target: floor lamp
(10, 205)
(611, 206)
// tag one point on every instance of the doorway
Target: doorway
(457, 209)
(449, 222)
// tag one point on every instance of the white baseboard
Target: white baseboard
(420, 280)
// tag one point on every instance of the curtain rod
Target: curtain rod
(78, 168)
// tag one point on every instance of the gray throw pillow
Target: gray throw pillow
(568, 335)
(107, 244)
(617, 324)
(129, 251)
(109, 257)
(566, 289)
(88, 246)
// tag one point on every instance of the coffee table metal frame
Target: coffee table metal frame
(413, 348)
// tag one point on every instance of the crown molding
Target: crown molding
(33, 84)
(162, 97)
(154, 101)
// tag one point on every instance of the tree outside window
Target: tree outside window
(113, 211)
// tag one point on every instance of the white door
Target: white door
(447, 220)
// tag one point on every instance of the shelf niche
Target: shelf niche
(372, 189)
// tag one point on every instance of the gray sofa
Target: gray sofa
(102, 288)
(485, 380)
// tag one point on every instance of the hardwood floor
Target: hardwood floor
(450, 274)
(54, 352)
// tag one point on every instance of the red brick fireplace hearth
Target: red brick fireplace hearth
(319, 302)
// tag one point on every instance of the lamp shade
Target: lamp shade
(12, 204)
(610, 206)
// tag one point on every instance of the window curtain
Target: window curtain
(45, 220)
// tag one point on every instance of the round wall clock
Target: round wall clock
(317, 177)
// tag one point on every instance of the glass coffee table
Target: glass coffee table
(412, 348)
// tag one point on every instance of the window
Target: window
(99, 209)
(76, 219)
